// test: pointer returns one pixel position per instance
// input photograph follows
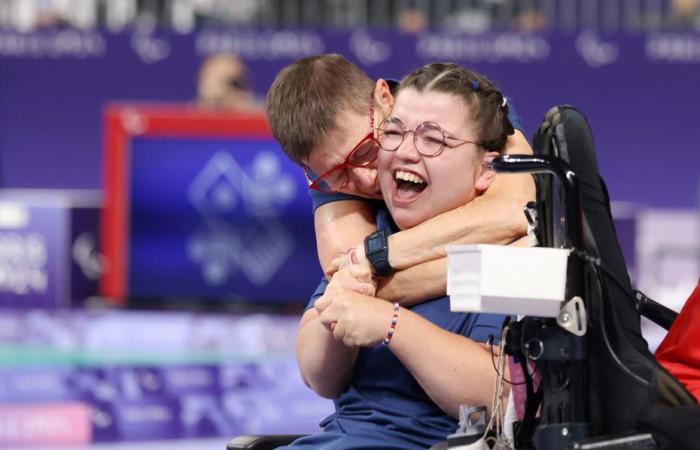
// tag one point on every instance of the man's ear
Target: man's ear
(382, 95)
(486, 174)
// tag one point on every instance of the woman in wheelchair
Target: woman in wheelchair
(398, 375)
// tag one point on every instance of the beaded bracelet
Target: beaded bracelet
(394, 319)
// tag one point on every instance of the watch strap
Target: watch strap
(377, 253)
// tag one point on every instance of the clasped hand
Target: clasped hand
(349, 309)
(353, 256)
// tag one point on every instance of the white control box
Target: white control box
(527, 281)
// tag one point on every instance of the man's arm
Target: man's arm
(341, 225)
(415, 284)
(425, 280)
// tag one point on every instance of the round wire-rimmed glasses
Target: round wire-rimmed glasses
(361, 155)
(429, 138)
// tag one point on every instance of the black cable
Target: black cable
(597, 266)
(616, 358)
(493, 362)
(599, 263)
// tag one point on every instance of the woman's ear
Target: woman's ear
(486, 174)
(383, 96)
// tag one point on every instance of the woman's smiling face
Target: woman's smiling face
(416, 187)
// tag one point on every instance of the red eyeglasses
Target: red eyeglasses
(361, 155)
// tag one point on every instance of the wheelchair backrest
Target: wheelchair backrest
(625, 380)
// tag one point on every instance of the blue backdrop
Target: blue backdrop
(639, 92)
(226, 218)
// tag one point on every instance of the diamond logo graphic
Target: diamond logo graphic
(241, 210)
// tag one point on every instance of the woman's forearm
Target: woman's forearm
(326, 365)
(452, 369)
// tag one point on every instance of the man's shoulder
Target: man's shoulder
(319, 199)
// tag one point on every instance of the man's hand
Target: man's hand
(353, 256)
(354, 277)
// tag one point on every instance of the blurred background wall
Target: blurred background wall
(628, 64)
(138, 370)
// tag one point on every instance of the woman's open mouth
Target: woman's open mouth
(409, 185)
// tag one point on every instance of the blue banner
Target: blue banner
(48, 255)
(219, 218)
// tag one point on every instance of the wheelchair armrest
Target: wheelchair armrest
(261, 441)
(654, 311)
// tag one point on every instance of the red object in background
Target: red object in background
(123, 122)
(679, 352)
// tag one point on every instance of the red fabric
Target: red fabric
(679, 352)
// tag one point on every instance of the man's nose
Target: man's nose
(364, 178)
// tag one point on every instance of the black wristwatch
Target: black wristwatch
(377, 253)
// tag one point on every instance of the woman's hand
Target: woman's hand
(354, 317)
(356, 320)
(354, 277)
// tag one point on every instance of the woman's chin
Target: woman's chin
(406, 218)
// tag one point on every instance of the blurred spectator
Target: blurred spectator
(47, 15)
(685, 13)
(530, 19)
(223, 83)
(412, 20)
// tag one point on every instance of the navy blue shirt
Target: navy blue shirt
(384, 407)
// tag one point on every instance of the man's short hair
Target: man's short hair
(308, 97)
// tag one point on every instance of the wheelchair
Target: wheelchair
(600, 389)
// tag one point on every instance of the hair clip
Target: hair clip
(475, 85)
(503, 103)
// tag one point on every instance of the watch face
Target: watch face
(374, 244)
(378, 254)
